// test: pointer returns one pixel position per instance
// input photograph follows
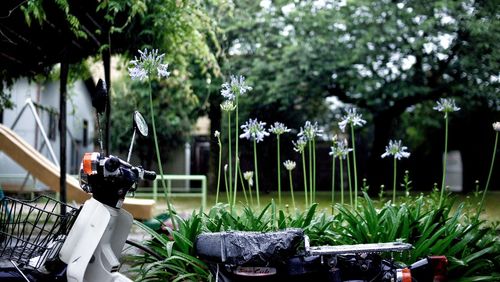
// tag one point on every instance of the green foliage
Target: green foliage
(179, 263)
(5, 102)
(184, 32)
(376, 54)
(173, 105)
(114, 8)
(472, 248)
(33, 9)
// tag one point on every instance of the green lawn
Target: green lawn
(184, 205)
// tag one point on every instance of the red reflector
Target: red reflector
(406, 275)
(89, 163)
(440, 265)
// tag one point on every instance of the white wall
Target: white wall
(79, 108)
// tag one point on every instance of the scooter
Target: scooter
(37, 243)
(287, 256)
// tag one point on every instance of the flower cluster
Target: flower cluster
(352, 118)
(278, 128)
(446, 105)
(149, 64)
(248, 175)
(395, 149)
(496, 126)
(299, 145)
(310, 131)
(340, 149)
(290, 165)
(236, 86)
(254, 130)
(228, 106)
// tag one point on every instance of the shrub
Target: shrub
(472, 247)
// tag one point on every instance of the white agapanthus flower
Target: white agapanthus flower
(300, 145)
(278, 128)
(217, 134)
(496, 126)
(237, 85)
(395, 149)
(290, 165)
(340, 149)
(333, 149)
(254, 130)
(352, 118)
(248, 175)
(149, 64)
(228, 106)
(310, 131)
(446, 105)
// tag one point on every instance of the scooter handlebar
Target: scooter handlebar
(149, 175)
(115, 162)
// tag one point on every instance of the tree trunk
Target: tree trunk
(62, 128)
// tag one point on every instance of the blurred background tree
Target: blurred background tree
(184, 31)
(392, 59)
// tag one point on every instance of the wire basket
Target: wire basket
(32, 232)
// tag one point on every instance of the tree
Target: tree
(381, 56)
(184, 32)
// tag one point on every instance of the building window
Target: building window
(52, 126)
(85, 135)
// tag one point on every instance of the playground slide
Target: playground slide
(45, 171)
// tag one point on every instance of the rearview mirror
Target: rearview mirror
(140, 124)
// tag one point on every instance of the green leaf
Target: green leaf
(153, 233)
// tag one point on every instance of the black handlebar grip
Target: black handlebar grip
(149, 175)
(112, 164)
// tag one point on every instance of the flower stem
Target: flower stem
(355, 168)
(305, 177)
(441, 197)
(279, 169)
(236, 161)
(227, 187)
(218, 172)
(158, 157)
(250, 193)
(489, 176)
(341, 181)
(394, 183)
(314, 168)
(291, 188)
(236, 152)
(349, 179)
(256, 171)
(333, 182)
(230, 162)
(309, 147)
(242, 183)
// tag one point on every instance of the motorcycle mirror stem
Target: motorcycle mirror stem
(141, 125)
(99, 100)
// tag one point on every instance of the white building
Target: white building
(80, 125)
